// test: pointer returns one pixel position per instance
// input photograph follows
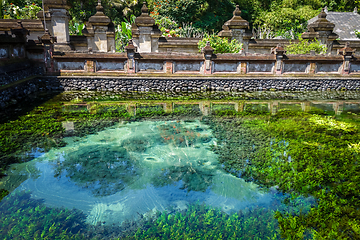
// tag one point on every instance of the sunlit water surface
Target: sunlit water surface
(137, 168)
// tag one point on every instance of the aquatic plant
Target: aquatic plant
(192, 178)
(103, 169)
(3, 193)
(186, 110)
(200, 221)
(302, 154)
(180, 136)
(22, 217)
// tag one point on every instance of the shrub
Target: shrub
(13, 11)
(304, 47)
(123, 34)
(178, 10)
(357, 33)
(220, 45)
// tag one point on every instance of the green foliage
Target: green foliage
(285, 21)
(42, 128)
(123, 34)
(3, 193)
(28, 11)
(340, 5)
(220, 45)
(304, 47)
(75, 27)
(202, 222)
(301, 154)
(22, 217)
(181, 11)
(357, 33)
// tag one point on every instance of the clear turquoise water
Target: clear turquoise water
(137, 168)
(131, 170)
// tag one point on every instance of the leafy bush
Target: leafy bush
(178, 10)
(123, 34)
(357, 33)
(75, 27)
(170, 28)
(304, 47)
(286, 22)
(13, 11)
(220, 45)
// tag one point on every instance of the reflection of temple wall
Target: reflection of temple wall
(272, 106)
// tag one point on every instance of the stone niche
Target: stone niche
(109, 66)
(226, 66)
(151, 66)
(187, 66)
(260, 67)
(326, 67)
(4, 52)
(355, 67)
(71, 66)
(295, 67)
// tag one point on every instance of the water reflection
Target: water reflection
(204, 108)
(103, 169)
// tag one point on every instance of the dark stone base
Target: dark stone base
(194, 85)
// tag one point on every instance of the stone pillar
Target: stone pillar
(205, 108)
(274, 107)
(169, 67)
(130, 63)
(145, 33)
(169, 107)
(208, 52)
(305, 106)
(57, 21)
(90, 66)
(48, 42)
(348, 55)
(100, 31)
(242, 67)
(322, 30)
(279, 52)
(236, 28)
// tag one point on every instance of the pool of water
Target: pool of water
(155, 169)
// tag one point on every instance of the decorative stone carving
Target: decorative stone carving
(279, 51)
(57, 21)
(48, 41)
(145, 32)
(236, 28)
(208, 52)
(348, 54)
(100, 31)
(130, 52)
(321, 29)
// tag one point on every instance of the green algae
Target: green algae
(300, 153)
(104, 170)
(22, 217)
(3, 193)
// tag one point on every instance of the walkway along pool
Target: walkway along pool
(100, 166)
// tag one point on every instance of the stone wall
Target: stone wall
(11, 95)
(13, 72)
(138, 88)
(225, 65)
(197, 85)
